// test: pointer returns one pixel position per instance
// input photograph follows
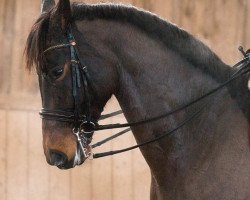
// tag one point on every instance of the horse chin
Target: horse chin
(63, 167)
(71, 165)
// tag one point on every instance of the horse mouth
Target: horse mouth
(64, 167)
(70, 165)
(79, 157)
(78, 160)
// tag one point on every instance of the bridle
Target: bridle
(84, 126)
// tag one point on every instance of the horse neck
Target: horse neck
(154, 80)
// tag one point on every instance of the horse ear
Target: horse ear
(47, 5)
(62, 14)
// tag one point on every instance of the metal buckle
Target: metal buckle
(87, 127)
(85, 147)
(73, 43)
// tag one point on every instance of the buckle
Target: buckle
(82, 141)
(87, 127)
(73, 43)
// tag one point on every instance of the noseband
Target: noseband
(84, 126)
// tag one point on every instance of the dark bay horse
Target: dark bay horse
(152, 67)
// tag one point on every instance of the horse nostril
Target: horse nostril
(57, 158)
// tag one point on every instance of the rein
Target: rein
(236, 75)
(84, 126)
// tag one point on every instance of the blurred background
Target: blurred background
(24, 174)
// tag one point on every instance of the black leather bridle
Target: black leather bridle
(84, 127)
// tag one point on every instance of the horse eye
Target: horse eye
(56, 72)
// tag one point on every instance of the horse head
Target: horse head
(50, 49)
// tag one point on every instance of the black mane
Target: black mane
(172, 36)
